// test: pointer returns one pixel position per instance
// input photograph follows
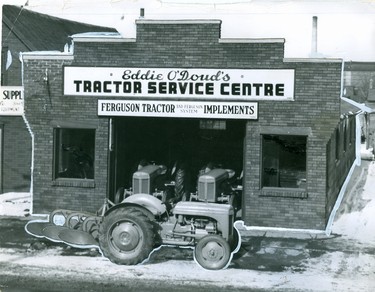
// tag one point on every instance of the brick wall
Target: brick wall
(46, 108)
(16, 146)
(340, 157)
(315, 112)
(16, 157)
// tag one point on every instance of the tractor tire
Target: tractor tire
(119, 196)
(212, 252)
(126, 236)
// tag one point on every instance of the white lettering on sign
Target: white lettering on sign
(11, 101)
(179, 109)
(167, 83)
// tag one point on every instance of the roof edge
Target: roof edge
(101, 37)
(251, 40)
(178, 21)
(361, 106)
(46, 55)
(313, 60)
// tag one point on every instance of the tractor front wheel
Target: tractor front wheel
(212, 252)
(126, 236)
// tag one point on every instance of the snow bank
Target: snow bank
(367, 154)
(360, 225)
(15, 204)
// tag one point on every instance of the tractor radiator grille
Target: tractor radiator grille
(206, 192)
(141, 186)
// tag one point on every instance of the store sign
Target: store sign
(178, 109)
(172, 83)
(11, 101)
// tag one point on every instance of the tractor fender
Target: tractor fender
(150, 203)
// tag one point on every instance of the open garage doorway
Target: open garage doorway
(165, 141)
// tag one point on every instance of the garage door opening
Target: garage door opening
(165, 141)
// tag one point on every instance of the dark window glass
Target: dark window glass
(74, 153)
(284, 161)
(345, 135)
(337, 137)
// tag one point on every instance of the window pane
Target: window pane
(74, 153)
(284, 161)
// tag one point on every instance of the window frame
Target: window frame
(262, 162)
(71, 181)
(291, 192)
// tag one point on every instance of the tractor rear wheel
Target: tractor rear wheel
(126, 236)
(212, 252)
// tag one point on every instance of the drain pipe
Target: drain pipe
(32, 140)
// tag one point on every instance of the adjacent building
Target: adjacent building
(24, 31)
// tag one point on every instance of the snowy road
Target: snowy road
(291, 265)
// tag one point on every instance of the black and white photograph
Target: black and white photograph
(176, 145)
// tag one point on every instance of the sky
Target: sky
(346, 28)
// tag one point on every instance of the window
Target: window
(284, 161)
(345, 143)
(337, 141)
(352, 130)
(74, 153)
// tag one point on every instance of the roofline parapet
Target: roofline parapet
(46, 55)
(178, 21)
(251, 40)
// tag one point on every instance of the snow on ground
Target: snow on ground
(332, 272)
(15, 204)
(360, 225)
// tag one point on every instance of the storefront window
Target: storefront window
(284, 161)
(74, 153)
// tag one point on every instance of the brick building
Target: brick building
(359, 85)
(23, 31)
(359, 81)
(178, 91)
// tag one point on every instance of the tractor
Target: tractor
(144, 217)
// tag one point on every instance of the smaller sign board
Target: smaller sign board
(11, 101)
(179, 109)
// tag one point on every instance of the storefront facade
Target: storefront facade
(178, 92)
